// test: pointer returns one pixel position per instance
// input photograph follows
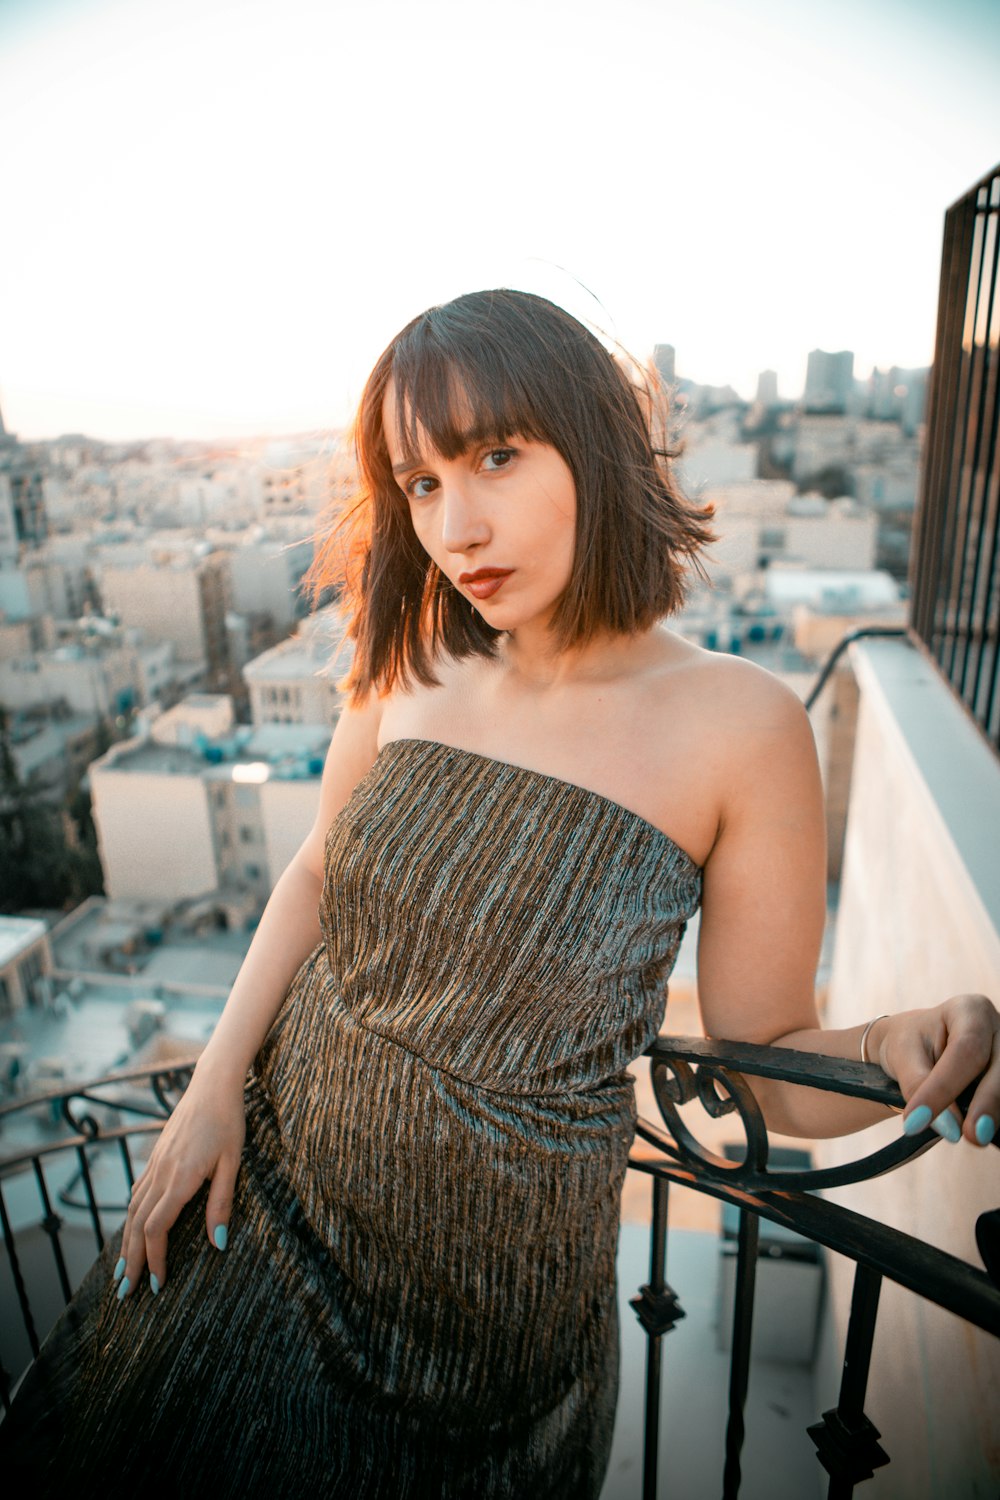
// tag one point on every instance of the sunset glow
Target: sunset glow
(219, 213)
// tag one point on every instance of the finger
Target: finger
(932, 1087)
(156, 1228)
(983, 1117)
(133, 1249)
(219, 1207)
(140, 1190)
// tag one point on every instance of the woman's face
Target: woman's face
(499, 521)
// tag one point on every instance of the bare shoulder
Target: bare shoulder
(738, 734)
(730, 695)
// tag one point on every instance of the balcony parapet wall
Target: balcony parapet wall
(918, 920)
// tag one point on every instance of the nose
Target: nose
(464, 526)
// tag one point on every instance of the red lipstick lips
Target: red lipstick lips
(484, 582)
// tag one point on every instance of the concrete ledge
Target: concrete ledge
(949, 758)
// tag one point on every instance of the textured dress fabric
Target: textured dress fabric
(419, 1299)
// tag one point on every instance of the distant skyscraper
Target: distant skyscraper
(663, 359)
(829, 381)
(767, 388)
(882, 403)
(7, 439)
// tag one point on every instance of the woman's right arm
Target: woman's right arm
(203, 1139)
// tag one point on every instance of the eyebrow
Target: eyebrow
(471, 437)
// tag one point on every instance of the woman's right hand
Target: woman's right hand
(202, 1141)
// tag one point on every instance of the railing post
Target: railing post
(657, 1309)
(739, 1368)
(846, 1441)
(52, 1224)
(15, 1271)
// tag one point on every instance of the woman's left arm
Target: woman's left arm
(763, 911)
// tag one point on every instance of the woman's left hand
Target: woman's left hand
(934, 1054)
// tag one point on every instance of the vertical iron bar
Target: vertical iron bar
(739, 1366)
(978, 437)
(95, 1217)
(951, 429)
(52, 1224)
(960, 498)
(127, 1160)
(858, 1350)
(15, 1270)
(984, 685)
(925, 560)
(955, 586)
(846, 1441)
(657, 1283)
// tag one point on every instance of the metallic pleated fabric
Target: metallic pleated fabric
(418, 1301)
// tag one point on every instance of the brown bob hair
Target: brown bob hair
(522, 367)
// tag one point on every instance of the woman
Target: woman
(533, 788)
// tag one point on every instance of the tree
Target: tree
(48, 855)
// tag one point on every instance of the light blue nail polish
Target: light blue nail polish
(918, 1120)
(120, 1269)
(985, 1129)
(947, 1126)
(123, 1288)
(154, 1283)
(221, 1236)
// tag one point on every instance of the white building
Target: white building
(99, 681)
(178, 820)
(295, 682)
(829, 534)
(822, 442)
(177, 598)
(51, 755)
(767, 388)
(25, 958)
(763, 520)
(265, 573)
(9, 545)
(714, 454)
(831, 590)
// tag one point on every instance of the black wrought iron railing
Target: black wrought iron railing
(714, 1073)
(78, 1184)
(71, 1190)
(955, 571)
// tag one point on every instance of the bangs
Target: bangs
(458, 392)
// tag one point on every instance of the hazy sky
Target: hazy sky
(217, 212)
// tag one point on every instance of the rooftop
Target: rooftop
(265, 752)
(17, 934)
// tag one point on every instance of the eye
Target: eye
(415, 488)
(498, 458)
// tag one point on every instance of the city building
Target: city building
(197, 805)
(296, 681)
(767, 389)
(664, 359)
(266, 570)
(829, 381)
(25, 961)
(174, 597)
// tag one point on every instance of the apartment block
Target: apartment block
(182, 813)
(177, 598)
(296, 681)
